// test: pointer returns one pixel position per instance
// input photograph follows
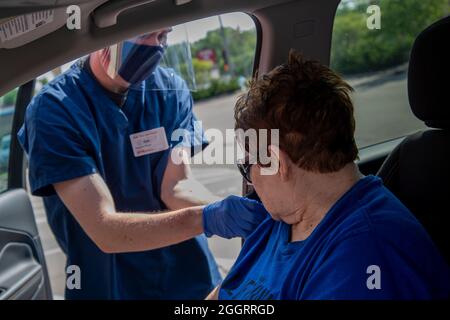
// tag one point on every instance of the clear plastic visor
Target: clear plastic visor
(164, 54)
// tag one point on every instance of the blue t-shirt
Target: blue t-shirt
(73, 128)
(368, 246)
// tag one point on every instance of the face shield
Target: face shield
(135, 60)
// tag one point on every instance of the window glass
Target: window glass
(222, 50)
(370, 48)
(7, 105)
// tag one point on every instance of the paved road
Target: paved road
(381, 113)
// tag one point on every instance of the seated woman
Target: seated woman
(332, 233)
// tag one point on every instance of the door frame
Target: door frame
(16, 154)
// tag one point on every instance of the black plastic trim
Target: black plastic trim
(16, 159)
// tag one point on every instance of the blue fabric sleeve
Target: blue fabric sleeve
(158, 174)
(194, 137)
(55, 147)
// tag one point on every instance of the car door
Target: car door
(23, 271)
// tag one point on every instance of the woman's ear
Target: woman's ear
(274, 165)
(283, 162)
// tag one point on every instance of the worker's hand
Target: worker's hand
(233, 217)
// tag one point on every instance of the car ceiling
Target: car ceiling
(305, 25)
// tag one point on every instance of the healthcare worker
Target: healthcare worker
(98, 143)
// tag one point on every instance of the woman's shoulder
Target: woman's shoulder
(371, 208)
(382, 226)
(376, 216)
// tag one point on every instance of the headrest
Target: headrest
(429, 75)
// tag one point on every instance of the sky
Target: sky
(197, 29)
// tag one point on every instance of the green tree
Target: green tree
(202, 71)
(241, 46)
(357, 49)
(9, 99)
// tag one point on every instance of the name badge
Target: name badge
(149, 141)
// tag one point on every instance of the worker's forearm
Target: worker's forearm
(187, 193)
(128, 232)
(92, 205)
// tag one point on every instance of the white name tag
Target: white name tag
(150, 141)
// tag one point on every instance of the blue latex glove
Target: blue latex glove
(233, 217)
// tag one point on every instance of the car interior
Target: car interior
(415, 167)
(416, 170)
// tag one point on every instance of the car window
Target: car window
(370, 48)
(222, 50)
(7, 105)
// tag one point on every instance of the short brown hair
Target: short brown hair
(310, 105)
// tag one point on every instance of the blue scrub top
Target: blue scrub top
(73, 128)
(368, 228)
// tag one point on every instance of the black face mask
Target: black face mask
(140, 61)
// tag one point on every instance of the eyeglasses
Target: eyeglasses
(244, 169)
